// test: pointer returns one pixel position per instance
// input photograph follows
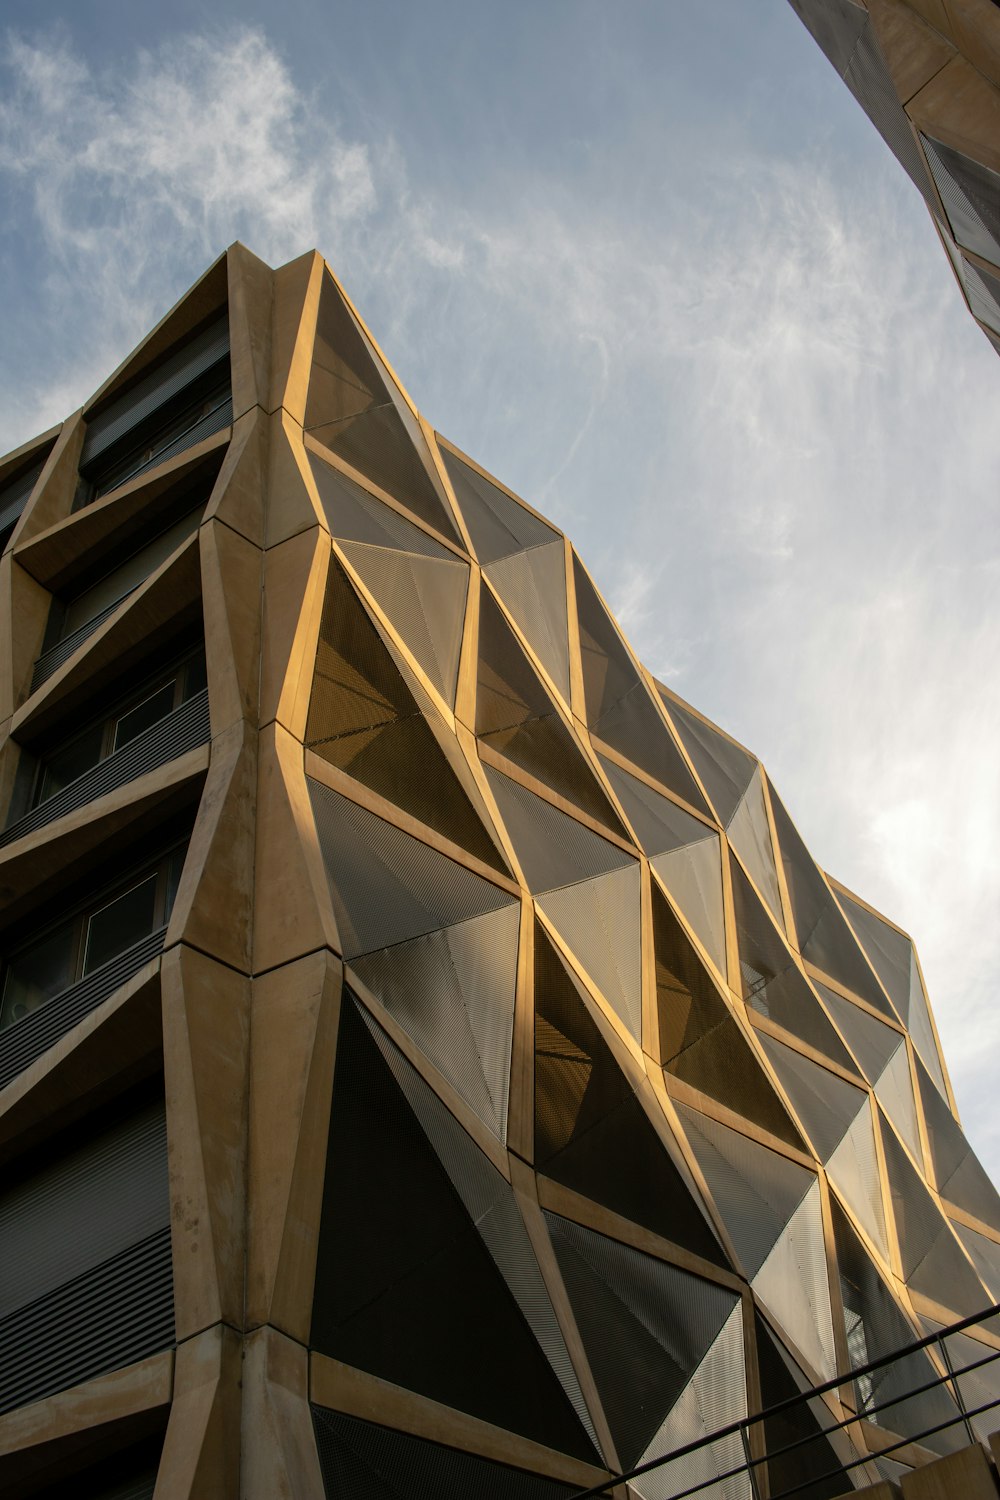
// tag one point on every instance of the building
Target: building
(927, 73)
(431, 1063)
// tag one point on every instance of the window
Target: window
(186, 398)
(99, 931)
(130, 718)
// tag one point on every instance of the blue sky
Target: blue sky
(649, 263)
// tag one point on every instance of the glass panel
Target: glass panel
(194, 677)
(121, 923)
(38, 973)
(150, 711)
(70, 762)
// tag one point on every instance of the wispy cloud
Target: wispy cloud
(760, 415)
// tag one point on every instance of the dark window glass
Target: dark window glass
(39, 972)
(71, 761)
(120, 923)
(145, 714)
(97, 933)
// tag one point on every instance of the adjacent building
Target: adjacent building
(431, 1062)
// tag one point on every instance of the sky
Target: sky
(649, 263)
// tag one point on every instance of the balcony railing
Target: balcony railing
(26, 1040)
(752, 1469)
(182, 730)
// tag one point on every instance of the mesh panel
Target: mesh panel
(877, 1328)
(853, 1170)
(356, 516)
(979, 1387)
(894, 1092)
(985, 1255)
(932, 1261)
(600, 921)
(619, 708)
(888, 950)
(659, 824)
(367, 1462)
(871, 1042)
(646, 1327)
(793, 1285)
(553, 849)
(714, 1397)
(533, 586)
(364, 719)
(387, 886)
(405, 1286)
(826, 1104)
(453, 993)
(824, 936)
(591, 1132)
(959, 1176)
(836, 26)
(699, 1040)
(515, 716)
(351, 410)
(920, 1028)
(755, 1190)
(870, 81)
(693, 878)
(725, 769)
(424, 597)
(970, 193)
(750, 836)
(772, 984)
(983, 292)
(489, 1201)
(812, 1471)
(498, 524)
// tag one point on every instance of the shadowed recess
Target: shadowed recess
(365, 719)
(368, 1462)
(591, 1132)
(354, 410)
(807, 1464)
(516, 717)
(700, 1042)
(619, 707)
(393, 1296)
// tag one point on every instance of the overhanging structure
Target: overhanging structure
(431, 1061)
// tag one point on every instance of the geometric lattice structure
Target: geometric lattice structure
(927, 73)
(431, 1063)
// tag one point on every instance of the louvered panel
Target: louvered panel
(213, 421)
(14, 496)
(118, 1312)
(51, 660)
(184, 729)
(210, 348)
(21, 1043)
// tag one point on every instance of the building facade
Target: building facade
(431, 1063)
(927, 73)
